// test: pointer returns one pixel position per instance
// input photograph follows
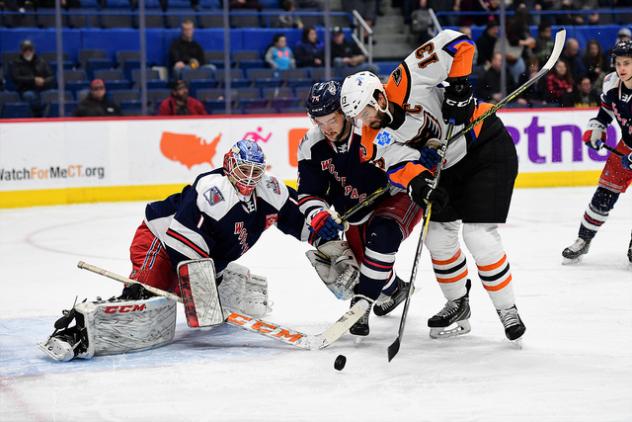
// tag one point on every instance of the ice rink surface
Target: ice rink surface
(575, 364)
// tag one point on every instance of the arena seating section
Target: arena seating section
(96, 47)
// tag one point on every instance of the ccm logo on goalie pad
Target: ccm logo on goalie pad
(264, 327)
(123, 309)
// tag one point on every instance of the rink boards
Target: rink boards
(60, 161)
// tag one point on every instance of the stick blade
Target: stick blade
(560, 39)
(393, 349)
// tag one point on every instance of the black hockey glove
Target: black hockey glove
(458, 103)
(135, 292)
(420, 191)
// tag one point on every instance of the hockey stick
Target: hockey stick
(259, 326)
(560, 38)
(612, 150)
(394, 347)
(369, 200)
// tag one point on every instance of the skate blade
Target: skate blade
(517, 343)
(459, 328)
(571, 261)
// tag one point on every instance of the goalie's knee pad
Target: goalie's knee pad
(336, 266)
(112, 327)
(243, 291)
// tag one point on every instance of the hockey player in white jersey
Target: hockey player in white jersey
(219, 217)
(426, 90)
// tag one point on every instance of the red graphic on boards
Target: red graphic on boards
(187, 149)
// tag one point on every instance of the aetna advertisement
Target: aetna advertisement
(76, 153)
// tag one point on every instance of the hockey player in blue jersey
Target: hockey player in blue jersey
(220, 216)
(332, 174)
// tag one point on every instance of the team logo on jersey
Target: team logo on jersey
(383, 138)
(213, 195)
(271, 219)
(397, 76)
(242, 236)
(273, 183)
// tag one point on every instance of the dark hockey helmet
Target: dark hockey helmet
(622, 49)
(245, 165)
(323, 98)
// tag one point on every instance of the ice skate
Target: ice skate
(65, 343)
(385, 303)
(452, 320)
(574, 252)
(514, 327)
(360, 328)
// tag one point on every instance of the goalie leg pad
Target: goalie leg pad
(112, 327)
(199, 293)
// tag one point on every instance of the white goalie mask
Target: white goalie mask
(358, 91)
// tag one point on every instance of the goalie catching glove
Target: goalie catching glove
(421, 191)
(336, 266)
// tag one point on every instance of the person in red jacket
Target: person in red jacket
(179, 103)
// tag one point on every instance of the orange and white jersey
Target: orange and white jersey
(413, 87)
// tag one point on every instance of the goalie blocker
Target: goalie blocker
(138, 321)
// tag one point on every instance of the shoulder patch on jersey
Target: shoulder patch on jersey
(272, 191)
(610, 81)
(397, 76)
(311, 138)
(383, 138)
(213, 195)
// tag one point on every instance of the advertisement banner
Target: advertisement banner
(73, 160)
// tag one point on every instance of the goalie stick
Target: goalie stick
(560, 38)
(259, 326)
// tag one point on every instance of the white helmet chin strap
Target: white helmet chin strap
(385, 109)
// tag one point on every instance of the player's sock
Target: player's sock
(451, 274)
(495, 273)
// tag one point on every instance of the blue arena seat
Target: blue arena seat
(13, 110)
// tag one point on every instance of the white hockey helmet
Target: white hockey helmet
(358, 91)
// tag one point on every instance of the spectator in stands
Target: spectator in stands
(595, 63)
(288, 19)
(309, 51)
(489, 88)
(179, 103)
(534, 95)
(245, 4)
(518, 43)
(486, 42)
(307, 4)
(97, 103)
(279, 56)
(572, 56)
(31, 75)
(586, 95)
(544, 42)
(185, 53)
(559, 85)
(345, 53)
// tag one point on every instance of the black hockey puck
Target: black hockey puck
(340, 362)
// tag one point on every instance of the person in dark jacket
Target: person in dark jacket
(179, 103)
(309, 51)
(185, 53)
(97, 103)
(486, 42)
(31, 75)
